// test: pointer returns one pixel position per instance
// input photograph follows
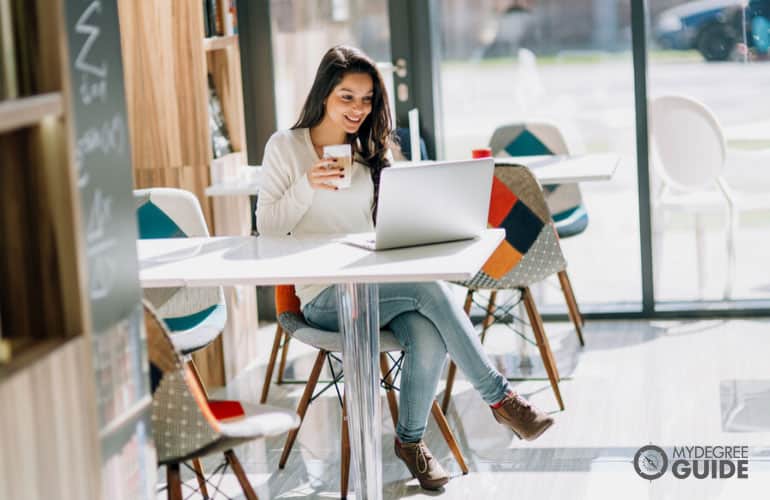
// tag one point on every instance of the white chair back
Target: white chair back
(688, 144)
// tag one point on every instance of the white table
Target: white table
(237, 186)
(563, 169)
(548, 169)
(270, 261)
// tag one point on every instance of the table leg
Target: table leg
(359, 321)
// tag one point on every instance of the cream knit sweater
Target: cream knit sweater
(287, 204)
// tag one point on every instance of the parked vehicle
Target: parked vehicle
(712, 27)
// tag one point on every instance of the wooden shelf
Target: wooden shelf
(27, 111)
(32, 353)
(220, 42)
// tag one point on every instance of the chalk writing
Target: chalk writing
(93, 77)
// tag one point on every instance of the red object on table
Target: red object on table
(481, 153)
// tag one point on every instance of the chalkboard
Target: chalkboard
(103, 159)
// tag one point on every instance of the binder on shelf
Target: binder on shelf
(8, 85)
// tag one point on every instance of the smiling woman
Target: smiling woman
(348, 106)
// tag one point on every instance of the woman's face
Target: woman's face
(350, 102)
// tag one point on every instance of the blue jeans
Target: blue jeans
(429, 324)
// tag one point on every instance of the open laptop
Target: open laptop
(430, 203)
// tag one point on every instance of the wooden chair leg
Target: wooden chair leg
(572, 306)
(284, 352)
(391, 394)
(271, 363)
(489, 316)
(303, 404)
(449, 437)
(248, 491)
(201, 477)
(468, 302)
(450, 376)
(450, 382)
(197, 375)
(345, 453)
(542, 343)
(173, 482)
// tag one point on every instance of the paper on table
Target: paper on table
(414, 134)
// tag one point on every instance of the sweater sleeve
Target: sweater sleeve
(285, 193)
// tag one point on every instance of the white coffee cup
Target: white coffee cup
(344, 156)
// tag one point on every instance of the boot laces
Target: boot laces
(422, 457)
(521, 406)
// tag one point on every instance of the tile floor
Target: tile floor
(634, 383)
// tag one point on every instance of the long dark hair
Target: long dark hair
(371, 141)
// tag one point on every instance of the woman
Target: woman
(348, 104)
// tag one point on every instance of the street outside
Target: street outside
(593, 103)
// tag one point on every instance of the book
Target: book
(220, 140)
(229, 17)
(206, 26)
(26, 47)
(8, 85)
(210, 12)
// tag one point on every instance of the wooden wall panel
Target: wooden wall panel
(166, 94)
(50, 449)
(191, 85)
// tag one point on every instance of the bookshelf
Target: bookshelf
(73, 375)
(220, 42)
(168, 115)
(28, 111)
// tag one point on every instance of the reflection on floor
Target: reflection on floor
(671, 384)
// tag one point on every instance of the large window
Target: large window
(303, 31)
(715, 53)
(569, 64)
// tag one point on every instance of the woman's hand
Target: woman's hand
(325, 170)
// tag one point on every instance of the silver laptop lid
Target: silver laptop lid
(435, 202)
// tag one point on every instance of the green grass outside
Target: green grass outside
(656, 56)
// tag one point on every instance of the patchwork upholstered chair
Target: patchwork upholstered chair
(186, 425)
(329, 345)
(541, 138)
(530, 253)
(195, 316)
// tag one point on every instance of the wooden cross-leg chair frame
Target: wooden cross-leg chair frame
(538, 329)
(280, 342)
(230, 456)
(307, 396)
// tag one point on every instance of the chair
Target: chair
(530, 253)
(186, 425)
(691, 160)
(280, 340)
(328, 343)
(405, 144)
(541, 138)
(195, 316)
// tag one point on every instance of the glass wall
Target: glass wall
(715, 53)
(303, 31)
(568, 64)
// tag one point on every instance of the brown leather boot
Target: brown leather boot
(522, 417)
(422, 465)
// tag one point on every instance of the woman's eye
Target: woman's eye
(367, 99)
(347, 98)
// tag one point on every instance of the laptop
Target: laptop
(430, 203)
